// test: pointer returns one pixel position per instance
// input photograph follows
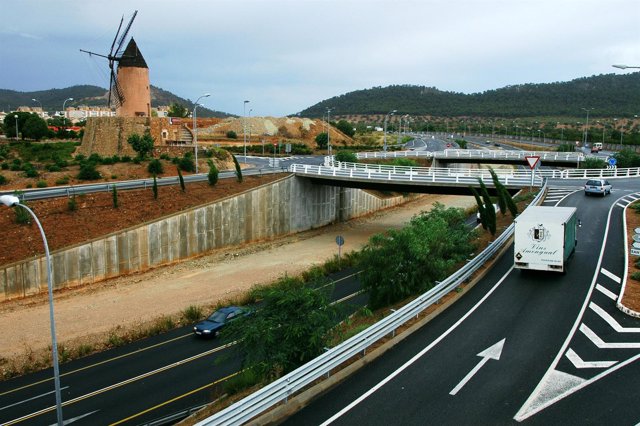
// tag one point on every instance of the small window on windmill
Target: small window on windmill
(165, 134)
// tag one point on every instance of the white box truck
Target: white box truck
(544, 238)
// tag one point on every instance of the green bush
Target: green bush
(212, 176)
(5, 166)
(88, 172)
(406, 162)
(165, 156)
(63, 180)
(232, 135)
(72, 204)
(346, 156)
(52, 168)
(31, 172)
(155, 167)
(3, 179)
(125, 159)
(635, 276)
(593, 163)
(187, 164)
(41, 184)
(192, 313)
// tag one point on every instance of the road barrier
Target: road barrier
(280, 390)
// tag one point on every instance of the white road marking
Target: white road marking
(611, 295)
(75, 419)
(621, 205)
(601, 344)
(415, 357)
(579, 363)
(492, 352)
(611, 321)
(31, 399)
(610, 275)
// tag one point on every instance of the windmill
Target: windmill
(115, 55)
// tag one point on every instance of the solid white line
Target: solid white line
(601, 344)
(611, 295)
(579, 363)
(611, 321)
(610, 275)
(31, 399)
(415, 357)
(621, 205)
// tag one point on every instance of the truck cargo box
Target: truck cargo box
(544, 238)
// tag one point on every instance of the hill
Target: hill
(610, 95)
(53, 99)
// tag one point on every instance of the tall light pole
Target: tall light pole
(195, 126)
(244, 127)
(13, 201)
(16, 116)
(64, 111)
(386, 118)
(586, 127)
(329, 130)
(623, 67)
(249, 139)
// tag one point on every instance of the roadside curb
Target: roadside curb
(298, 402)
(619, 304)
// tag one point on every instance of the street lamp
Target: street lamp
(16, 116)
(329, 130)
(64, 111)
(543, 137)
(13, 201)
(244, 127)
(250, 125)
(386, 118)
(586, 127)
(195, 125)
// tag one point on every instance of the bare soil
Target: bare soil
(631, 298)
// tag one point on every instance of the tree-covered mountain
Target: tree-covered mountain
(610, 95)
(53, 99)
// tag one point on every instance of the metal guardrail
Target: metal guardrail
(590, 173)
(426, 175)
(68, 191)
(281, 389)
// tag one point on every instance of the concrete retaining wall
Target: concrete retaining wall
(283, 207)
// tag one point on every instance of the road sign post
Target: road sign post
(533, 161)
(340, 243)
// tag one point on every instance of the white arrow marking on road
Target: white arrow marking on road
(492, 352)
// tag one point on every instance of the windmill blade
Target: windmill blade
(117, 92)
(116, 37)
(126, 31)
(111, 87)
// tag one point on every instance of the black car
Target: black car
(211, 326)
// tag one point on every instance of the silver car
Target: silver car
(597, 186)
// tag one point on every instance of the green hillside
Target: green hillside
(53, 99)
(610, 95)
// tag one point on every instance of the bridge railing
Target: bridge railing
(398, 174)
(281, 389)
(477, 153)
(590, 173)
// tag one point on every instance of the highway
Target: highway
(540, 348)
(148, 380)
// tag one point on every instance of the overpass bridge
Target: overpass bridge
(427, 180)
(442, 158)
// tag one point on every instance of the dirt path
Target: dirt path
(128, 301)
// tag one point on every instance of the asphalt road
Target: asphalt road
(566, 354)
(148, 380)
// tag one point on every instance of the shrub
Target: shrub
(181, 180)
(187, 164)
(125, 159)
(41, 184)
(155, 187)
(212, 176)
(114, 192)
(165, 156)
(53, 168)
(155, 167)
(95, 158)
(88, 172)
(346, 156)
(3, 180)
(63, 180)
(72, 204)
(31, 172)
(192, 313)
(635, 276)
(232, 135)
(5, 166)
(22, 215)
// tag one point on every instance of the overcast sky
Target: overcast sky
(286, 55)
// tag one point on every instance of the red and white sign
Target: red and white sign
(532, 160)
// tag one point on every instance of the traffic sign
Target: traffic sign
(339, 240)
(532, 160)
(612, 161)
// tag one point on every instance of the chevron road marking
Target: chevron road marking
(601, 344)
(611, 321)
(579, 363)
(611, 295)
(610, 275)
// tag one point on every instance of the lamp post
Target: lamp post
(329, 130)
(586, 127)
(64, 111)
(250, 126)
(195, 126)
(386, 118)
(244, 127)
(13, 201)
(543, 137)
(16, 116)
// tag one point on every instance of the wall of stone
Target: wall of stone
(286, 206)
(108, 136)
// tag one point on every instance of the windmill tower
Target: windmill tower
(129, 89)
